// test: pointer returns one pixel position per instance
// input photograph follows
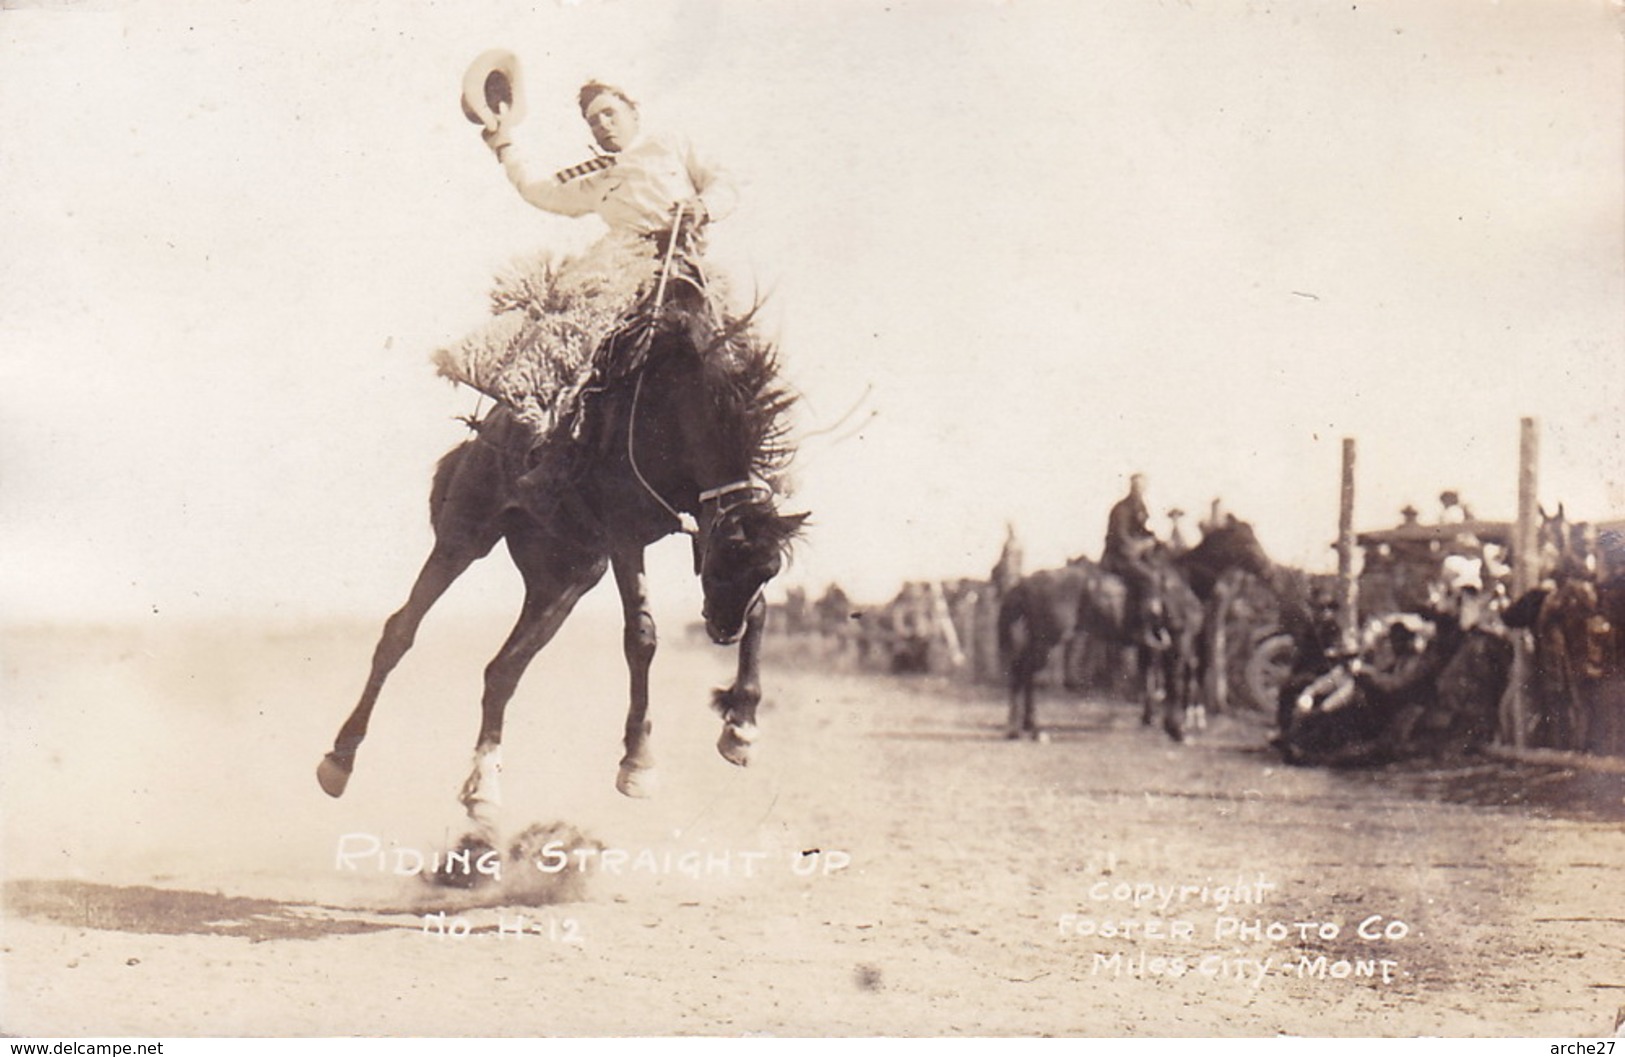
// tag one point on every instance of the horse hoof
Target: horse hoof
(1041, 737)
(736, 742)
(1175, 731)
(333, 775)
(640, 783)
(484, 823)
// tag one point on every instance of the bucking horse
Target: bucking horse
(683, 435)
(1052, 606)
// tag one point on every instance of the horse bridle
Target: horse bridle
(704, 534)
(703, 542)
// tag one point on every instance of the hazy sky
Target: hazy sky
(1030, 247)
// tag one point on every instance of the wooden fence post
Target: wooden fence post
(1348, 612)
(1525, 577)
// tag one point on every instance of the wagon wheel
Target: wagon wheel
(1268, 667)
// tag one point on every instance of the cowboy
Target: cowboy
(1007, 570)
(1127, 554)
(637, 181)
(654, 192)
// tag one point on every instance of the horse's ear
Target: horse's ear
(791, 525)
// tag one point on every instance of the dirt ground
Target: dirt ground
(888, 866)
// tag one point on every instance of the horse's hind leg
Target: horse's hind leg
(1029, 695)
(1145, 661)
(1015, 721)
(1030, 727)
(637, 773)
(737, 703)
(1024, 669)
(554, 581)
(445, 564)
(1013, 696)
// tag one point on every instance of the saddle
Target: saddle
(676, 299)
(564, 328)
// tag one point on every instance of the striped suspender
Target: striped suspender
(564, 176)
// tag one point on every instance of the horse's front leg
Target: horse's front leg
(1193, 688)
(1175, 694)
(637, 776)
(737, 703)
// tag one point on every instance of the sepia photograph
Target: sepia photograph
(914, 519)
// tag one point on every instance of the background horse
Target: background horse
(692, 426)
(1037, 614)
(1167, 651)
(1048, 608)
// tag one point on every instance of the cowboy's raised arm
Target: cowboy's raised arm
(493, 99)
(556, 192)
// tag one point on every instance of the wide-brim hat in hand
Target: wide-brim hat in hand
(492, 92)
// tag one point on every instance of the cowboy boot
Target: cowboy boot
(1151, 632)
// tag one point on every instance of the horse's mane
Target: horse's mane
(741, 371)
(1221, 543)
(1230, 544)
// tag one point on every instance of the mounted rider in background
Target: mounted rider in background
(1127, 554)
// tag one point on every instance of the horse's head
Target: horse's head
(1238, 547)
(706, 404)
(737, 551)
(1232, 545)
(1551, 541)
(1567, 549)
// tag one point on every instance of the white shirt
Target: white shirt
(638, 193)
